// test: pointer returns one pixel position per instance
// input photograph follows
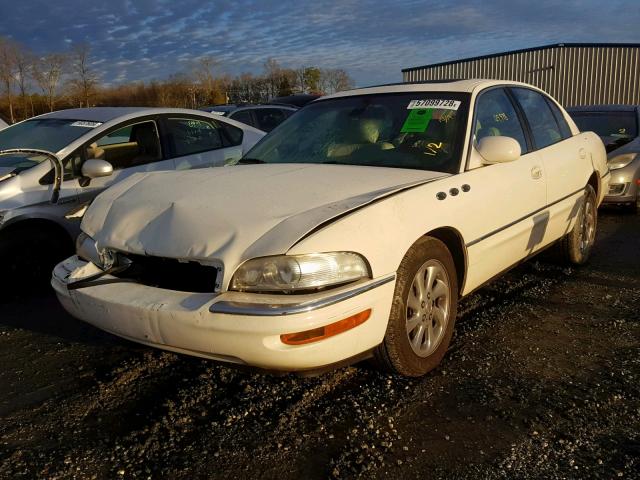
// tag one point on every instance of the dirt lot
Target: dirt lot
(542, 381)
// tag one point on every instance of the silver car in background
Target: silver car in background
(618, 126)
(54, 165)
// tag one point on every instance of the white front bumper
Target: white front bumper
(182, 322)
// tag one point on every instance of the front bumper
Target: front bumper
(189, 323)
(623, 187)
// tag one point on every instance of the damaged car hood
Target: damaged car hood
(235, 213)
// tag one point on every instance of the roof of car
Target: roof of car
(297, 100)
(232, 107)
(106, 114)
(603, 108)
(467, 85)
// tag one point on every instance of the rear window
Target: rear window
(607, 124)
(51, 134)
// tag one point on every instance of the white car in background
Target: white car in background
(351, 231)
(53, 165)
(3, 124)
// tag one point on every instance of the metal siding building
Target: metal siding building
(573, 73)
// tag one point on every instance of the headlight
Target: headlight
(287, 273)
(87, 249)
(621, 161)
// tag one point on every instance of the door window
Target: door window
(243, 116)
(544, 127)
(231, 136)
(129, 146)
(269, 118)
(562, 123)
(495, 115)
(189, 136)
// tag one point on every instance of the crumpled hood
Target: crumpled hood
(234, 213)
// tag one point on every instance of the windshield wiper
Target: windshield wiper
(249, 161)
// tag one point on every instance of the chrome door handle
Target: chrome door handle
(536, 173)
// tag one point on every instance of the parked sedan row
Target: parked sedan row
(54, 165)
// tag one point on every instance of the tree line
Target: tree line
(33, 84)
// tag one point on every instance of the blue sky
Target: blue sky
(371, 39)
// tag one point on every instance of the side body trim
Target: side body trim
(498, 230)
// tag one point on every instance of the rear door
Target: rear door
(565, 159)
(198, 142)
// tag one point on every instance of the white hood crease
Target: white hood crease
(234, 213)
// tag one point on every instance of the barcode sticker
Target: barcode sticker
(434, 103)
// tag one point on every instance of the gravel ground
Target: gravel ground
(542, 381)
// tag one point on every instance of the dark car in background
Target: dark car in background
(262, 117)
(618, 127)
(298, 100)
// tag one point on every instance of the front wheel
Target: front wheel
(27, 257)
(577, 244)
(423, 311)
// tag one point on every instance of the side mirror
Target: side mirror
(95, 168)
(499, 149)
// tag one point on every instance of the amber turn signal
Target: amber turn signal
(320, 333)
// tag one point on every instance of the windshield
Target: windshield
(14, 163)
(403, 130)
(608, 124)
(51, 134)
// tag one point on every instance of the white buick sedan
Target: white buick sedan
(349, 232)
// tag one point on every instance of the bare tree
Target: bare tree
(47, 72)
(301, 79)
(279, 81)
(8, 70)
(273, 76)
(84, 79)
(23, 69)
(334, 80)
(203, 72)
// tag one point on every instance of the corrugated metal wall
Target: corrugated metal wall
(574, 75)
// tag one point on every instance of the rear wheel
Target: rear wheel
(576, 246)
(423, 311)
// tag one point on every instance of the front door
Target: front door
(505, 203)
(130, 149)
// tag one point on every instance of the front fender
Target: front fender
(382, 231)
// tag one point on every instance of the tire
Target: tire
(406, 348)
(575, 247)
(28, 255)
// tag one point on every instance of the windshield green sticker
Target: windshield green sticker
(417, 121)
